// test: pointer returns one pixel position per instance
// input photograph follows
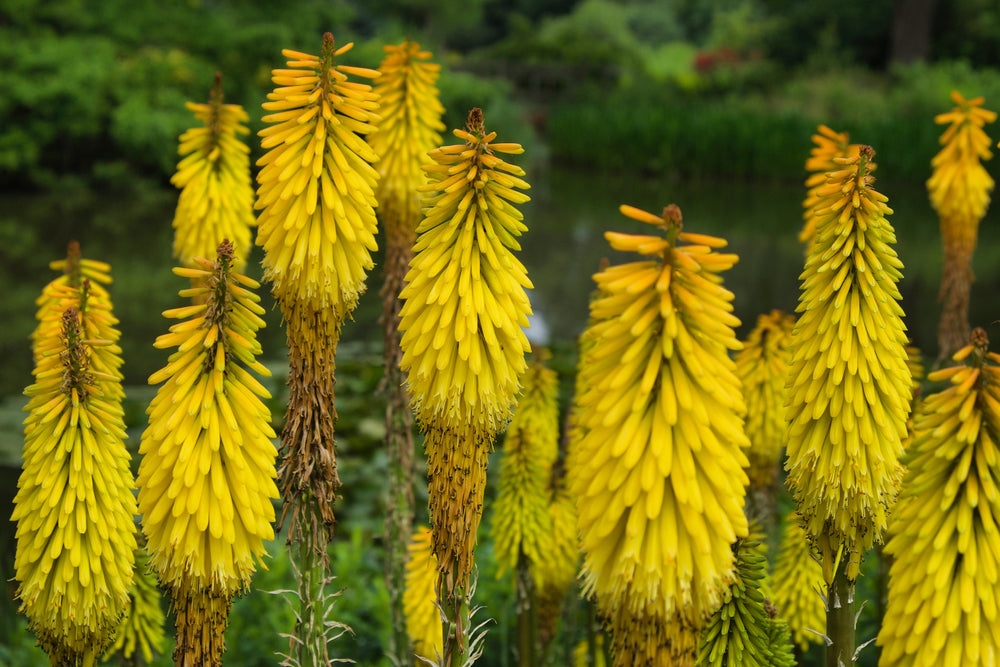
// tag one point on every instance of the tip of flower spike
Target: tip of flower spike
(475, 124)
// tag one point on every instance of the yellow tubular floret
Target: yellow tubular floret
(657, 469)
(142, 628)
(849, 384)
(74, 506)
(216, 200)
(944, 540)
(206, 479)
(829, 145)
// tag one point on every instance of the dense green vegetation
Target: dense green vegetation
(92, 102)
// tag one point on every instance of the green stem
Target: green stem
(456, 630)
(840, 618)
(310, 630)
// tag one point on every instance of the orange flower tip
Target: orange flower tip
(509, 149)
(703, 239)
(298, 55)
(640, 215)
(185, 272)
(344, 49)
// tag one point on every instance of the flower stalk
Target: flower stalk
(463, 346)
(74, 506)
(410, 128)
(206, 478)
(959, 190)
(849, 387)
(317, 226)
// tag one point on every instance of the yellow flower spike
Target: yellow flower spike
(959, 189)
(216, 200)
(556, 572)
(142, 628)
(657, 470)
(74, 506)
(206, 479)
(410, 128)
(762, 365)
(316, 191)
(944, 540)
(849, 385)
(829, 145)
(423, 618)
(522, 524)
(464, 306)
(798, 582)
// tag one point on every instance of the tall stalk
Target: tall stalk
(317, 227)
(410, 127)
(849, 385)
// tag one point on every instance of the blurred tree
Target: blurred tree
(911, 31)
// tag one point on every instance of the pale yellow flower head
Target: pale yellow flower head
(423, 618)
(74, 506)
(798, 582)
(944, 537)
(216, 200)
(849, 385)
(206, 479)
(658, 469)
(316, 191)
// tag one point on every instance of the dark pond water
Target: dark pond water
(568, 214)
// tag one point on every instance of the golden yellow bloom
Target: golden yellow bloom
(739, 632)
(829, 145)
(74, 506)
(762, 366)
(463, 346)
(849, 386)
(206, 479)
(555, 573)
(959, 190)
(142, 627)
(798, 582)
(423, 618)
(944, 541)
(522, 524)
(81, 279)
(410, 128)
(658, 472)
(216, 200)
(317, 185)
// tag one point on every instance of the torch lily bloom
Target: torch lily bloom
(521, 520)
(423, 618)
(829, 145)
(142, 627)
(798, 582)
(658, 469)
(959, 190)
(463, 346)
(216, 200)
(944, 540)
(849, 385)
(206, 479)
(74, 506)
